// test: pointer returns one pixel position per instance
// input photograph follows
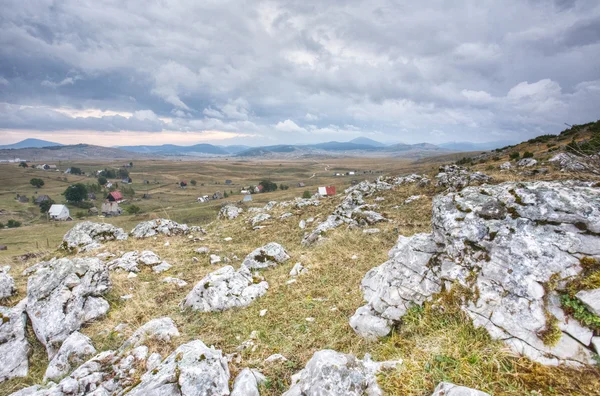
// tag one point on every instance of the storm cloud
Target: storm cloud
(268, 72)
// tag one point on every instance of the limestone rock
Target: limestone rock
(63, 295)
(155, 227)
(527, 162)
(7, 283)
(591, 299)
(506, 165)
(224, 289)
(247, 382)
(76, 349)
(412, 198)
(267, 256)
(569, 163)
(505, 241)
(331, 373)
(270, 205)
(176, 281)
(298, 269)
(448, 389)
(14, 348)
(285, 215)
(87, 235)
(259, 218)
(131, 261)
(229, 212)
(455, 177)
(214, 259)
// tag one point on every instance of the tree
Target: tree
(76, 171)
(225, 195)
(515, 155)
(268, 185)
(123, 173)
(194, 182)
(306, 194)
(13, 223)
(23, 164)
(131, 164)
(102, 180)
(45, 205)
(283, 186)
(76, 193)
(36, 182)
(108, 173)
(133, 209)
(127, 191)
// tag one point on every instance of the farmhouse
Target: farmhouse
(258, 189)
(202, 199)
(111, 208)
(93, 211)
(327, 191)
(114, 196)
(108, 185)
(59, 213)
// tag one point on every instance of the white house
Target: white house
(59, 212)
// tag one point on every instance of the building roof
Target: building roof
(116, 195)
(55, 210)
(41, 198)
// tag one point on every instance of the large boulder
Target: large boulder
(155, 227)
(131, 261)
(14, 348)
(7, 283)
(448, 389)
(267, 256)
(76, 349)
(331, 373)
(527, 162)
(229, 212)
(502, 244)
(247, 383)
(259, 218)
(88, 235)
(63, 295)
(455, 177)
(570, 163)
(224, 289)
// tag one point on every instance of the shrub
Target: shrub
(268, 185)
(306, 194)
(193, 182)
(23, 164)
(225, 195)
(108, 173)
(527, 154)
(84, 204)
(81, 214)
(76, 193)
(464, 161)
(102, 180)
(515, 155)
(123, 173)
(133, 209)
(36, 182)
(13, 223)
(76, 171)
(45, 206)
(283, 187)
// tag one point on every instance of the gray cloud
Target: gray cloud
(302, 71)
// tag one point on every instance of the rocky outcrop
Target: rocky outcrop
(455, 177)
(448, 389)
(88, 235)
(504, 245)
(7, 283)
(333, 373)
(259, 218)
(14, 348)
(166, 227)
(570, 163)
(76, 349)
(229, 212)
(247, 382)
(506, 166)
(269, 255)
(63, 295)
(224, 289)
(527, 162)
(131, 261)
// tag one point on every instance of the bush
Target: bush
(13, 223)
(84, 204)
(193, 182)
(76, 171)
(283, 187)
(45, 206)
(23, 164)
(127, 191)
(515, 155)
(81, 214)
(108, 173)
(76, 193)
(225, 195)
(123, 173)
(306, 194)
(36, 182)
(268, 186)
(133, 209)
(102, 180)
(464, 161)
(527, 154)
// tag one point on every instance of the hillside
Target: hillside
(69, 152)
(29, 143)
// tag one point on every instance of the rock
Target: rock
(214, 259)
(87, 235)
(285, 215)
(309, 319)
(591, 299)
(259, 218)
(270, 205)
(155, 227)
(148, 257)
(379, 199)
(277, 357)
(527, 162)
(224, 289)
(291, 281)
(371, 231)
(569, 163)
(228, 239)
(262, 312)
(176, 281)
(7, 283)
(162, 267)
(298, 269)
(192, 369)
(229, 212)
(332, 373)
(195, 259)
(267, 256)
(131, 275)
(247, 382)
(63, 295)
(596, 344)
(300, 203)
(127, 297)
(76, 349)
(14, 348)
(507, 255)
(455, 177)
(448, 389)
(506, 165)
(161, 329)
(412, 198)
(130, 262)
(302, 224)
(203, 250)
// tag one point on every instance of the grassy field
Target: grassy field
(434, 345)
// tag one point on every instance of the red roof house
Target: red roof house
(115, 196)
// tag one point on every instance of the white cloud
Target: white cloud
(289, 126)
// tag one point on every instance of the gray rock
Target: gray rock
(131, 261)
(247, 382)
(214, 259)
(412, 198)
(298, 269)
(229, 212)
(285, 215)
(162, 267)
(7, 283)
(203, 250)
(591, 299)
(63, 295)
(300, 203)
(148, 257)
(330, 373)
(302, 224)
(267, 256)
(14, 348)
(176, 281)
(455, 177)
(448, 389)
(505, 256)
(506, 166)
(87, 235)
(155, 227)
(270, 205)
(161, 329)
(224, 289)
(259, 218)
(570, 163)
(371, 231)
(527, 162)
(76, 349)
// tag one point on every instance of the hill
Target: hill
(29, 143)
(469, 146)
(366, 141)
(68, 152)
(172, 149)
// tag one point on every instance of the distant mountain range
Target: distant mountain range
(30, 143)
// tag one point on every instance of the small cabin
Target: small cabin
(126, 180)
(301, 184)
(40, 199)
(59, 213)
(114, 196)
(327, 191)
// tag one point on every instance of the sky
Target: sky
(256, 72)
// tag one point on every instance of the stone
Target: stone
(148, 257)
(505, 254)
(570, 163)
(76, 349)
(455, 177)
(161, 329)
(285, 215)
(162, 267)
(596, 344)
(63, 295)
(131, 275)
(127, 297)
(302, 224)
(203, 250)
(224, 289)
(448, 389)
(291, 281)
(506, 165)
(131, 261)
(330, 373)
(259, 218)
(214, 259)
(14, 348)
(228, 239)
(371, 231)
(192, 369)
(298, 269)
(7, 283)
(527, 162)
(270, 205)
(229, 212)
(87, 235)
(247, 382)
(147, 229)
(412, 198)
(262, 312)
(591, 299)
(277, 357)
(176, 281)
(269, 255)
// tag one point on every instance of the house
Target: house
(114, 196)
(111, 209)
(108, 185)
(228, 182)
(258, 189)
(247, 198)
(50, 167)
(68, 170)
(126, 180)
(92, 196)
(146, 181)
(301, 184)
(59, 213)
(244, 192)
(351, 173)
(41, 198)
(93, 211)
(327, 191)
(202, 199)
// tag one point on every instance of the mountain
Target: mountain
(234, 149)
(29, 143)
(469, 146)
(172, 149)
(69, 152)
(366, 141)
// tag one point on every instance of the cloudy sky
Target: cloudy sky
(116, 72)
